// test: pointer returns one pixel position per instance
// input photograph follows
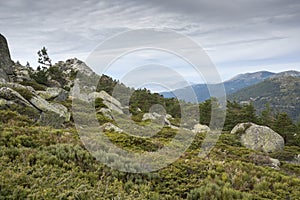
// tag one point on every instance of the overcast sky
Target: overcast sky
(238, 35)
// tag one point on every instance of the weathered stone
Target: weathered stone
(63, 110)
(12, 100)
(111, 127)
(149, 116)
(260, 138)
(50, 118)
(275, 163)
(55, 93)
(168, 116)
(167, 121)
(11, 95)
(53, 114)
(5, 60)
(264, 160)
(199, 128)
(155, 116)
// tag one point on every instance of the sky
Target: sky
(238, 36)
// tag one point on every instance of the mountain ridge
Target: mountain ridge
(232, 85)
(282, 93)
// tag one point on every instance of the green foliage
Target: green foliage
(11, 117)
(44, 163)
(56, 74)
(40, 76)
(267, 116)
(237, 113)
(99, 103)
(43, 57)
(284, 126)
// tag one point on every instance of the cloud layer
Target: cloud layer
(245, 35)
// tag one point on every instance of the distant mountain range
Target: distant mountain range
(231, 86)
(282, 92)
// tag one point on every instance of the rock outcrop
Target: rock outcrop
(25, 100)
(5, 60)
(260, 138)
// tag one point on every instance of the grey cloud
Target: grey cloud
(77, 27)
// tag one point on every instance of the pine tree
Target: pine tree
(285, 127)
(248, 114)
(267, 117)
(44, 58)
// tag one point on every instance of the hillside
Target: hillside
(54, 136)
(282, 93)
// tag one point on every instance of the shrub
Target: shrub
(40, 77)
(7, 116)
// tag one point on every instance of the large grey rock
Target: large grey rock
(10, 99)
(5, 60)
(13, 96)
(260, 138)
(53, 114)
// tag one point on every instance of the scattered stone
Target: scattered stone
(199, 128)
(275, 163)
(155, 116)
(264, 160)
(111, 127)
(149, 116)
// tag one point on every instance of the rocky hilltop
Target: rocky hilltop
(39, 94)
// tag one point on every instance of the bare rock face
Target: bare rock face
(5, 60)
(260, 138)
